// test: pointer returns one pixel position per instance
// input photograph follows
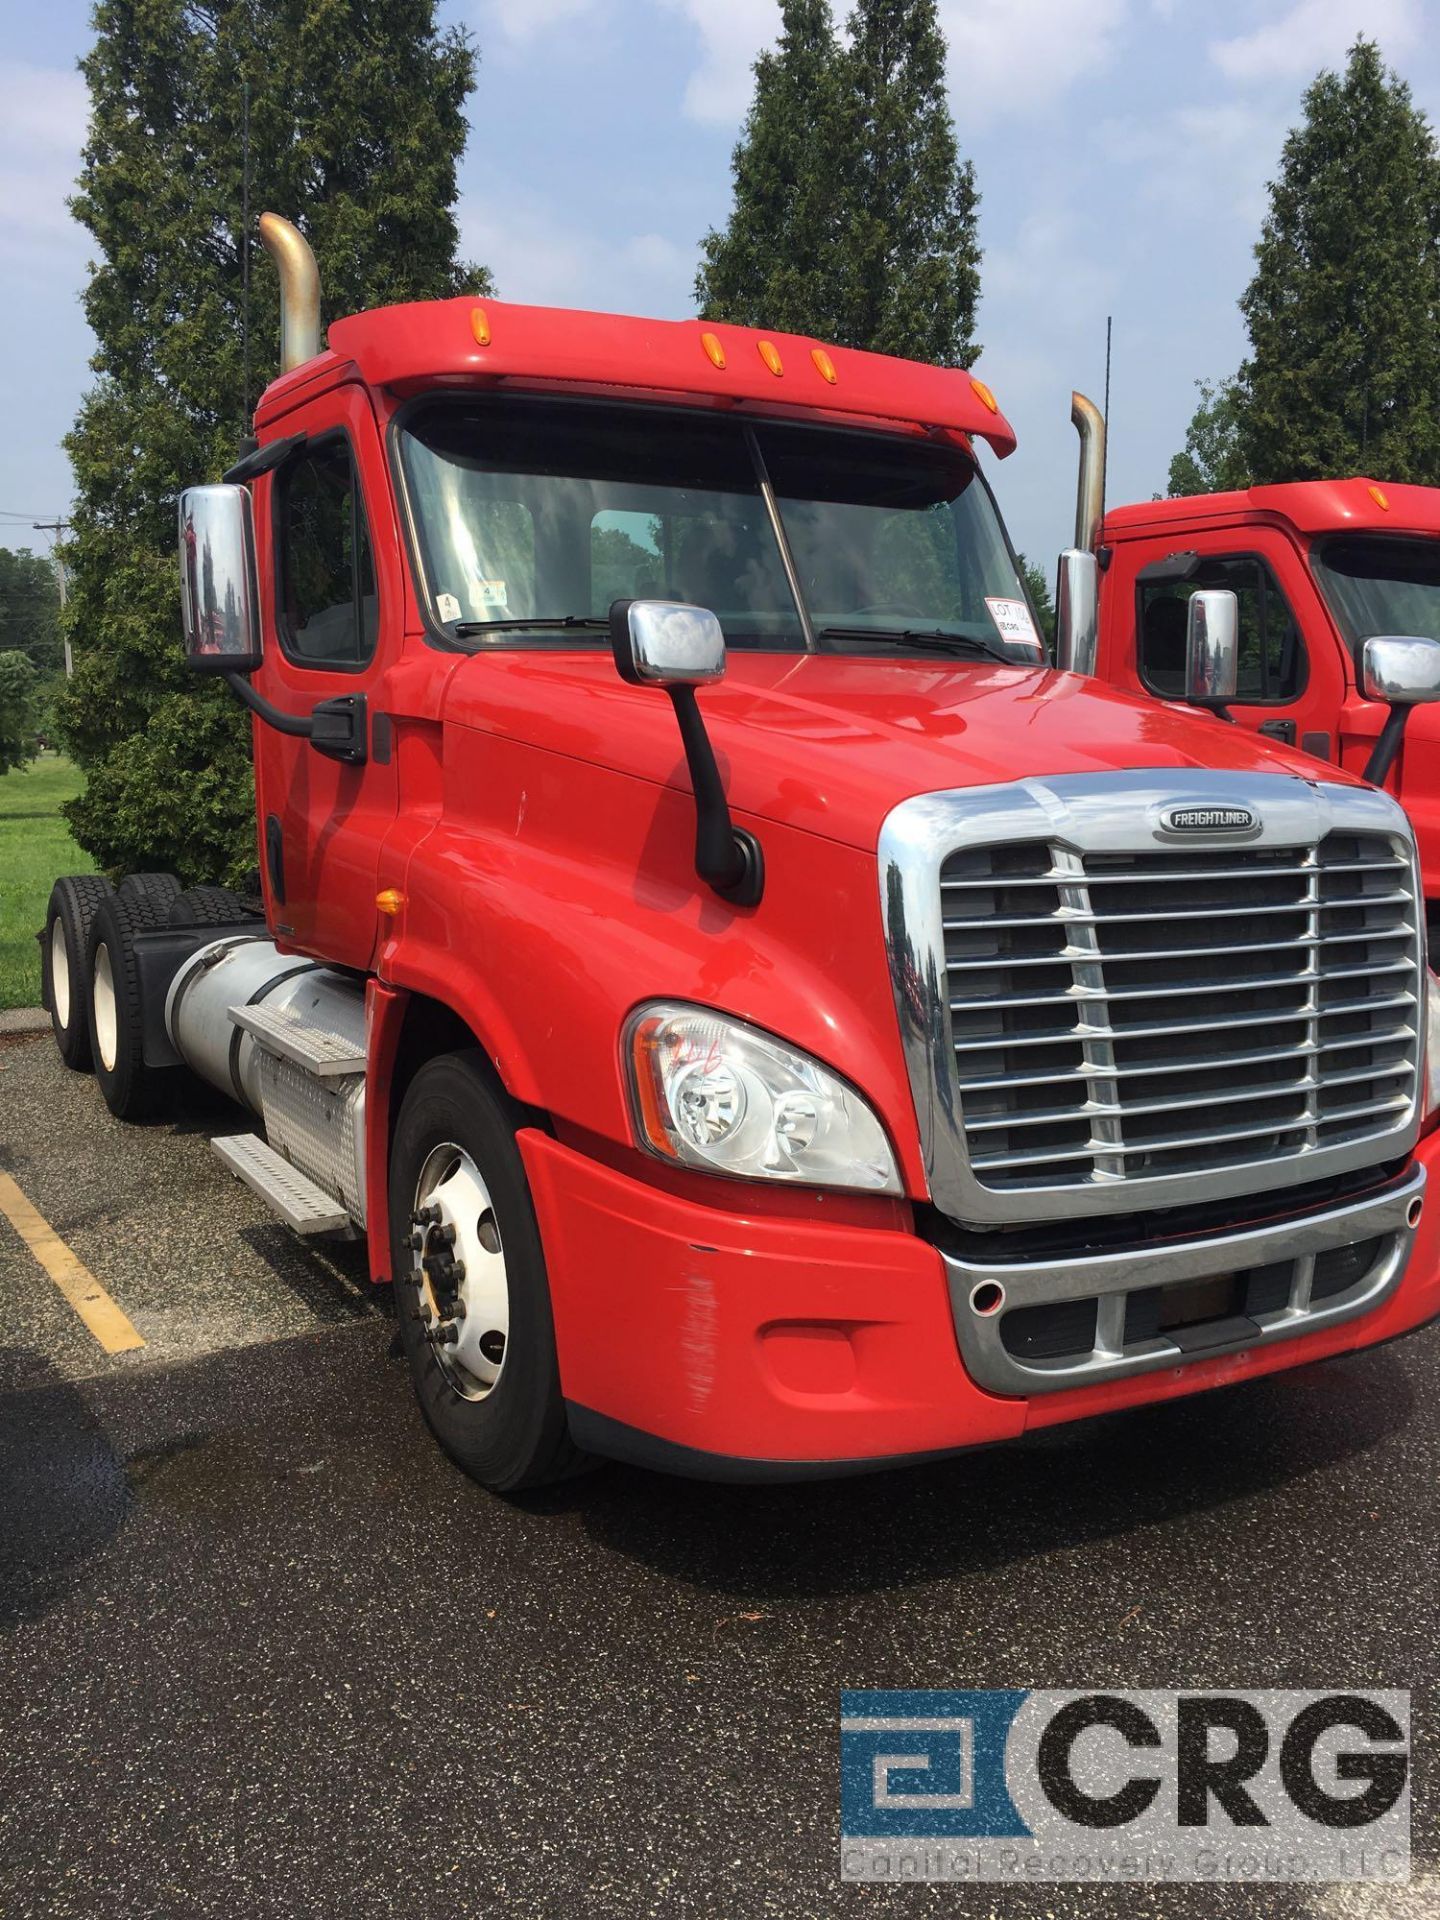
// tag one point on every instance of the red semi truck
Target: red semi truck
(762, 1018)
(1317, 568)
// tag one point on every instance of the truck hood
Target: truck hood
(830, 743)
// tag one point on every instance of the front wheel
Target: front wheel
(471, 1291)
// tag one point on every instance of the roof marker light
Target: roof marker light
(1378, 495)
(480, 326)
(824, 365)
(769, 353)
(984, 395)
(712, 346)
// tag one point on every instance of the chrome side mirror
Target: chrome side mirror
(1212, 647)
(1402, 670)
(218, 591)
(664, 643)
(1077, 612)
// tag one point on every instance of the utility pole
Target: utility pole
(55, 528)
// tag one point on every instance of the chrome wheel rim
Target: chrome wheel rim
(457, 1272)
(104, 996)
(60, 972)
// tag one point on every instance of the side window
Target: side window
(329, 607)
(1272, 656)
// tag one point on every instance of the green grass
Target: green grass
(35, 848)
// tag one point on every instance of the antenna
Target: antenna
(245, 258)
(1105, 444)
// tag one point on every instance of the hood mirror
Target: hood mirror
(1212, 647)
(664, 643)
(218, 593)
(1403, 670)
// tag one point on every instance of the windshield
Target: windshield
(545, 513)
(1382, 586)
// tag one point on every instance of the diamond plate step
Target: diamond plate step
(284, 1189)
(327, 1055)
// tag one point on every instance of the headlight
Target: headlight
(714, 1093)
(1432, 1043)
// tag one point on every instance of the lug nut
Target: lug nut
(443, 1336)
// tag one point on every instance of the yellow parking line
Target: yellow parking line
(75, 1280)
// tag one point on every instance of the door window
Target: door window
(1272, 655)
(329, 607)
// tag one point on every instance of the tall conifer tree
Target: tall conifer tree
(854, 216)
(356, 126)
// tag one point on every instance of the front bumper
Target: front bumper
(746, 1345)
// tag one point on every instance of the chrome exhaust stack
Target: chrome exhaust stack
(1089, 423)
(1077, 589)
(299, 290)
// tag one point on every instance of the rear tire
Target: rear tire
(74, 901)
(209, 907)
(152, 894)
(132, 1090)
(492, 1395)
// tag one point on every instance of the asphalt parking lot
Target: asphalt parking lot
(264, 1652)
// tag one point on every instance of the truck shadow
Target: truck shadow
(64, 1491)
(1155, 1467)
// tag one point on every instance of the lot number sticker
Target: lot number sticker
(1012, 617)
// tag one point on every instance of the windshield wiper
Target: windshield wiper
(471, 629)
(936, 639)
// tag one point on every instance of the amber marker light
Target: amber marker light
(983, 394)
(713, 349)
(824, 365)
(480, 326)
(770, 354)
(1378, 495)
(390, 901)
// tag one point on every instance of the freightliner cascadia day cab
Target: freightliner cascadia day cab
(761, 1017)
(1318, 567)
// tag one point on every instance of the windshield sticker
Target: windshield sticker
(1012, 618)
(492, 593)
(448, 606)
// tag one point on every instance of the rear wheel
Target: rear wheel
(208, 907)
(152, 894)
(471, 1290)
(132, 1090)
(74, 901)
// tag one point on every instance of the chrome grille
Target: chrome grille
(1119, 1014)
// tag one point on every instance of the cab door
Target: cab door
(336, 631)
(1291, 683)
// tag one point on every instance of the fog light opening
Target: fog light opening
(1413, 1213)
(987, 1298)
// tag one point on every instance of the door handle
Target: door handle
(1282, 730)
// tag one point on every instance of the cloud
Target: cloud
(732, 33)
(539, 259)
(43, 113)
(521, 21)
(1312, 33)
(1214, 154)
(1022, 55)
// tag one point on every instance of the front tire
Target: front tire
(74, 902)
(471, 1290)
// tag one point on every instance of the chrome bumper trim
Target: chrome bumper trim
(1111, 1278)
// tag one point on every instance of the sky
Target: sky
(1122, 149)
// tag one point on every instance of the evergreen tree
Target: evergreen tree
(17, 709)
(1344, 307)
(30, 609)
(1038, 588)
(854, 217)
(356, 126)
(775, 264)
(1211, 460)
